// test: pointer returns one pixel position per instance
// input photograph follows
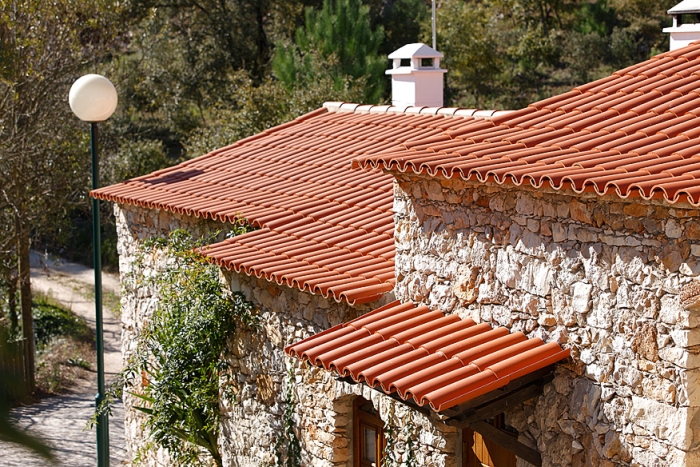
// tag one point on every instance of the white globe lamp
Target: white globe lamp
(92, 98)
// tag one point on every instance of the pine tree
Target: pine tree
(336, 43)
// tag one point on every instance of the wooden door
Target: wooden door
(480, 452)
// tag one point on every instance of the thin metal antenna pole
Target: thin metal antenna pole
(434, 29)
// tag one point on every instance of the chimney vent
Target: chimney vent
(416, 76)
(686, 23)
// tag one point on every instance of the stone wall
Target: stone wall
(134, 226)
(601, 276)
(253, 420)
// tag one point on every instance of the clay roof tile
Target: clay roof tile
(441, 362)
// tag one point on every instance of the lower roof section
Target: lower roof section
(425, 355)
(346, 264)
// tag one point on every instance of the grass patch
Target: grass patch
(110, 300)
(65, 347)
(51, 321)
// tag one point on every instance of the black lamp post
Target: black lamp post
(93, 99)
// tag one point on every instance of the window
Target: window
(368, 434)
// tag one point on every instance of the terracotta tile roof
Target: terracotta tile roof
(634, 133)
(425, 355)
(324, 227)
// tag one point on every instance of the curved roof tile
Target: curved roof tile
(324, 227)
(425, 355)
(624, 128)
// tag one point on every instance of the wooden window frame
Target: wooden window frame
(363, 419)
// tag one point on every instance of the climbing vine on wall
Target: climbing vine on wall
(391, 447)
(389, 453)
(288, 449)
(409, 433)
(179, 351)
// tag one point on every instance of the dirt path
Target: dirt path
(61, 419)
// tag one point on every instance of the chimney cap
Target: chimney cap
(686, 6)
(418, 50)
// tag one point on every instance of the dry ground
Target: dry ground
(61, 420)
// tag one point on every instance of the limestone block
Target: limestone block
(686, 337)
(558, 450)
(663, 421)
(466, 285)
(580, 211)
(672, 312)
(614, 449)
(645, 457)
(635, 210)
(583, 402)
(536, 278)
(603, 312)
(507, 268)
(524, 204)
(533, 225)
(558, 232)
(680, 357)
(692, 230)
(690, 296)
(586, 236)
(433, 191)
(602, 370)
(581, 298)
(673, 229)
(689, 268)
(683, 458)
(531, 244)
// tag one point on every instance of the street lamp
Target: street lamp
(93, 99)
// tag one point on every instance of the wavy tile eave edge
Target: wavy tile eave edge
(633, 190)
(351, 295)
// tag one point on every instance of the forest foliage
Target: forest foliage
(194, 75)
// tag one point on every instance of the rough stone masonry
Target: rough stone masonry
(609, 278)
(253, 420)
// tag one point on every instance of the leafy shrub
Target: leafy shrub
(179, 351)
(51, 321)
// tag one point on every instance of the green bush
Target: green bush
(179, 351)
(51, 322)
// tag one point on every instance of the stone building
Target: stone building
(434, 265)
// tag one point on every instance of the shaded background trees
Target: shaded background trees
(44, 45)
(196, 75)
(508, 53)
(337, 43)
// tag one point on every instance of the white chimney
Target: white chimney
(416, 76)
(686, 23)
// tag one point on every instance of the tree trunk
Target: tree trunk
(25, 298)
(12, 302)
